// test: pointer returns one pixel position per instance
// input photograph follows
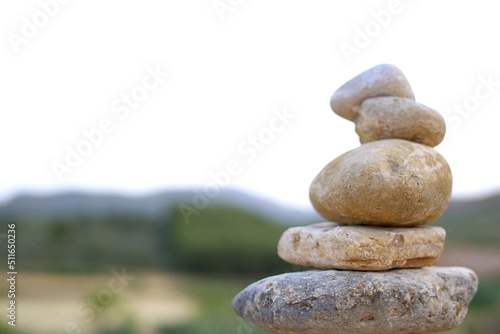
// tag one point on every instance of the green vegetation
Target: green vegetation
(224, 240)
(478, 229)
(220, 240)
(473, 223)
(84, 244)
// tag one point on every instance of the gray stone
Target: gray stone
(397, 117)
(400, 301)
(381, 80)
(333, 246)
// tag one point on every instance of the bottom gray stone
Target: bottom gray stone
(423, 300)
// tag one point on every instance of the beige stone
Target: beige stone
(391, 182)
(400, 301)
(381, 80)
(397, 117)
(333, 246)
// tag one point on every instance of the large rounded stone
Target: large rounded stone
(333, 246)
(397, 117)
(400, 301)
(381, 80)
(390, 182)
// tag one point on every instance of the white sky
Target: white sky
(226, 76)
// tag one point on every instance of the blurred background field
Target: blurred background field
(239, 83)
(186, 269)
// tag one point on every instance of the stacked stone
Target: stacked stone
(376, 257)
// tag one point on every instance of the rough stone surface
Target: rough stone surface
(333, 246)
(397, 117)
(346, 302)
(381, 80)
(391, 182)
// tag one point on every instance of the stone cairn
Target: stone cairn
(375, 258)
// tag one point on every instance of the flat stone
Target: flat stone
(397, 117)
(399, 301)
(381, 80)
(390, 182)
(333, 246)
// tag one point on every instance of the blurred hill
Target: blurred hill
(73, 204)
(473, 222)
(465, 220)
(234, 232)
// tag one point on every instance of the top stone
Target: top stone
(381, 80)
